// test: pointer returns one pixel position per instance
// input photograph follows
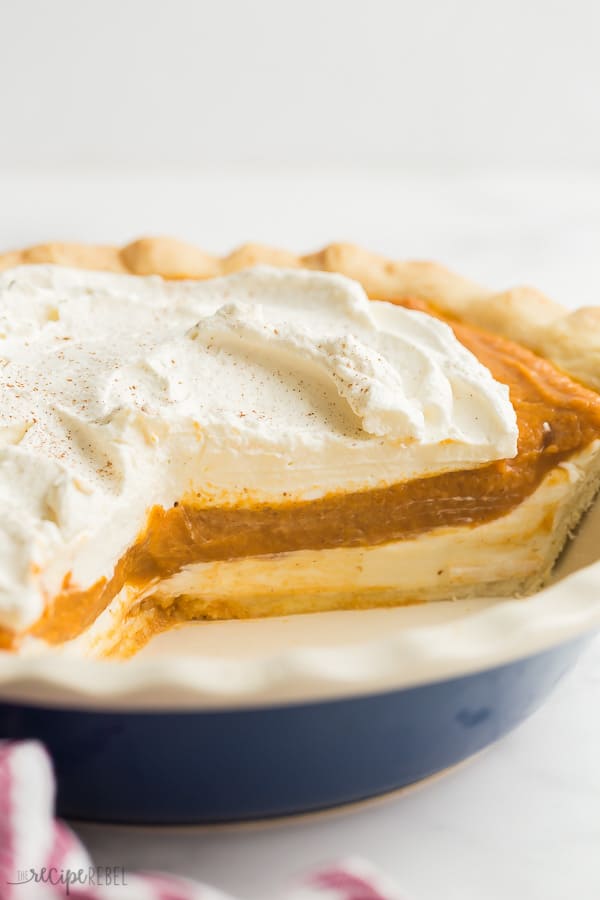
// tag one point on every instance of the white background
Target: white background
(426, 84)
(465, 131)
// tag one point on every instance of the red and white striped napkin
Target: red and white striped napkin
(41, 858)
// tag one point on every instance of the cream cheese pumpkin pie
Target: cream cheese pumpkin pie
(188, 437)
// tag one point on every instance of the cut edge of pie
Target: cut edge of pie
(451, 563)
(445, 562)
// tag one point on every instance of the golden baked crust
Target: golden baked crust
(571, 340)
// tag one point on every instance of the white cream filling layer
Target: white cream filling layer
(119, 393)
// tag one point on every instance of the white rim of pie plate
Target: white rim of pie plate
(406, 648)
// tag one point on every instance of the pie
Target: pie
(190, 437)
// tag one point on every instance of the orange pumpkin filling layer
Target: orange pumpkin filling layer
(556, 418)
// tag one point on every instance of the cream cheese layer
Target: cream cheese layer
(118, 393)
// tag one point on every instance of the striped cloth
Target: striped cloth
(40, 858)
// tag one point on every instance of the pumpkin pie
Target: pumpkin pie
(184, 437)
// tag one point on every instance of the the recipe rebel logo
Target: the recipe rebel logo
(92, 876)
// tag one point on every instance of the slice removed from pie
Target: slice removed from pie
(266, 434)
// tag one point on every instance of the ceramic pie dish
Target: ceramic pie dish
(448, 464)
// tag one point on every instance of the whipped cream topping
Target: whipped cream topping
(120, 392)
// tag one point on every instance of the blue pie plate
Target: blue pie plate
(236, 721)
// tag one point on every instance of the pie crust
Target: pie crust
(569, 339)
(537, 526)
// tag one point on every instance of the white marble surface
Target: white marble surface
(523, 819)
